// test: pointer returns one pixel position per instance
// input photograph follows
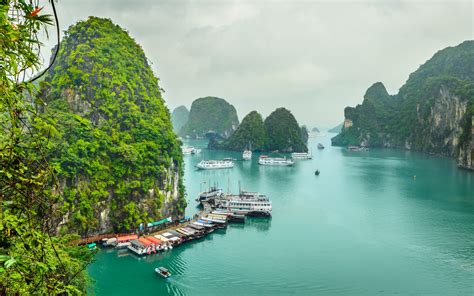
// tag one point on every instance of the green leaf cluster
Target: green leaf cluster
(33, 260)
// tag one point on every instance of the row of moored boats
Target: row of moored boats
(151, 244)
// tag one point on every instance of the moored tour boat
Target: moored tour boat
(301, 155)
(213, 192)
(275, 161)
(247, 155)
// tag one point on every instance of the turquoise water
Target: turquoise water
(364, 226)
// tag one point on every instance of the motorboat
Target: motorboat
(163, 272)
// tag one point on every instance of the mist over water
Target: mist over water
(365, 226)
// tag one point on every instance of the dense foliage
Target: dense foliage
(305, 133)
(249, 134)
(426, 113)
(283, 132)
(32, 260)
(210, 114)
(179, 117)
(116, 154)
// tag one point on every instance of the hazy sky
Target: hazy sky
(312, 57)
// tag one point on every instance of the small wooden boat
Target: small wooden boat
(163, 272)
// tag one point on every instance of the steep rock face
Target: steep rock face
(336, 129)
(179, 117)
(210, 115)
(250, 131)
(283, 132)
(118, 161)
(432, 112)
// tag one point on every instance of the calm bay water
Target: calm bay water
(364, 226)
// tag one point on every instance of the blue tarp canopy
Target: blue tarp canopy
(156, 223)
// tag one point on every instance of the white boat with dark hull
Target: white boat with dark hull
(320, 146)
(215, 164)
(275, 161)
(212, 193)
(191, 150)
(163, 272)
(301, 155)
(247, 155)
(247, 203)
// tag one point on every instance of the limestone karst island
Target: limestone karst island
(236, 148)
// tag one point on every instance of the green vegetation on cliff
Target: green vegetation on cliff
(250, 130)
(179, 117)
(431, 112)
(116, 154)
(283, 132)
(305, 133)
(210, 114)
(279, 131)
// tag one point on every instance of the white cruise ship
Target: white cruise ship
(301, 155)
(191, 150)
(250, 203)
(275, 161)
(247, 155)
(215, 164)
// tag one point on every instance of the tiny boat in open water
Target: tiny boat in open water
(163, 272)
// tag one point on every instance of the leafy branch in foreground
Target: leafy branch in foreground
(32, 260)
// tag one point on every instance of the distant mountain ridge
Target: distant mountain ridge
(433, 111)
(179, 117)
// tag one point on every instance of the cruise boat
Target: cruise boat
(196, 150)
(247, 155)
(215, 164)
(301, 155)
(212, 193)
(191, 150)
(275, 161)
(250, 203)
(357, 148)
(187, 150)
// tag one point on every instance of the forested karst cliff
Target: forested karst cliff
(116, 155)
(433, 111)
(179, 117)
(250, 133)
(210, 115)
(280, 131)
